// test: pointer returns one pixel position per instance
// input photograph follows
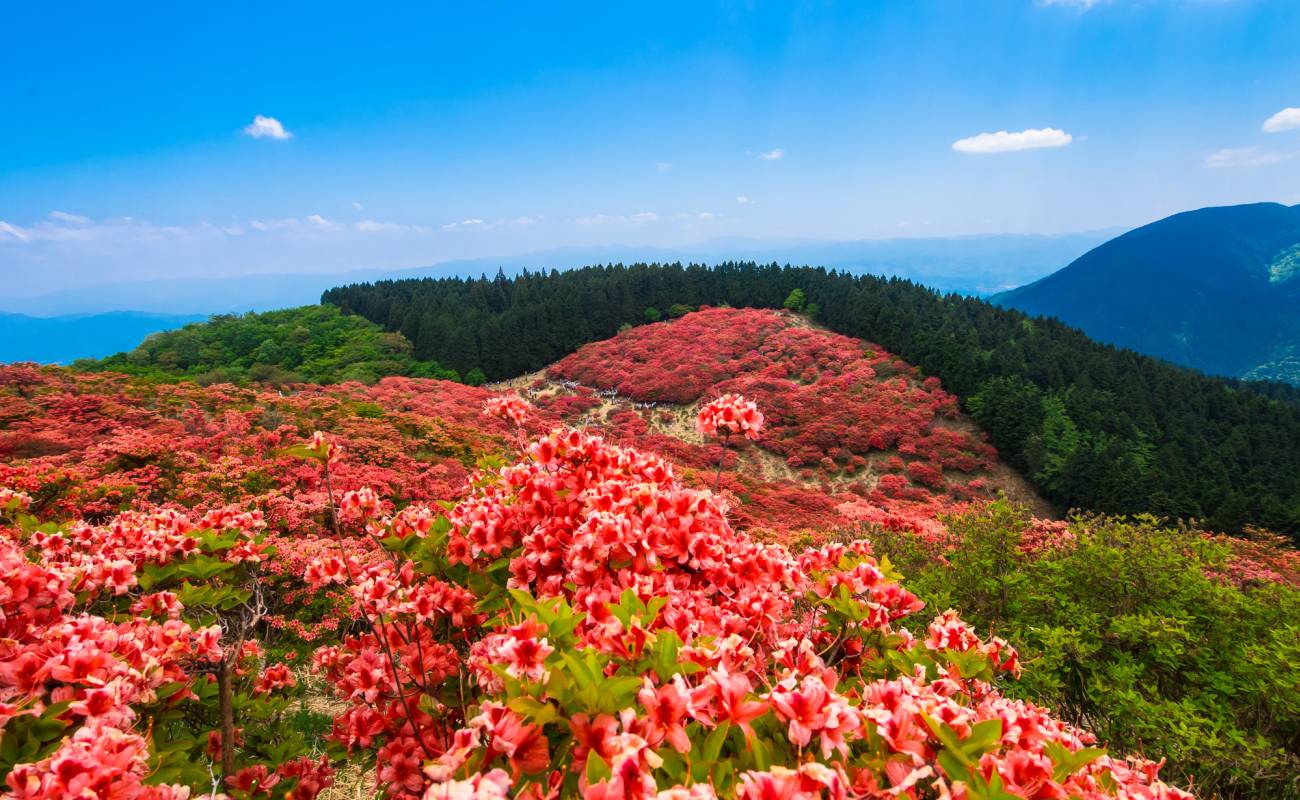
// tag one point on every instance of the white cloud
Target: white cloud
(266, 128)
(13, 232)
(1285, 120)
(357, 205)
(75, 219)
(662, 166)
(772, 155)
(466, 223)
(115, 229)
(1082, 5)
(1007, 142)
(705, 216)
(378, 226)
(744, 200)
(1247, 157)
(639, 218)
(321, 222)
(273, 224)
(375, 226)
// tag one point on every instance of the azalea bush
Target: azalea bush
(727, 415)
(582, 624)
(128, 668)
(1159, 639)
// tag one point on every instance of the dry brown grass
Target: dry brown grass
(351, 783)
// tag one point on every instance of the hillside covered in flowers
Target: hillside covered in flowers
(854, 435)
(659, 569)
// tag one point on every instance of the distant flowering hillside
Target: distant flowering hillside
(838, 411)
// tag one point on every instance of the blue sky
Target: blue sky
(418, 133)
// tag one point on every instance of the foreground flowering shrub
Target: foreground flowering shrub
(126, 667)
(581, 624)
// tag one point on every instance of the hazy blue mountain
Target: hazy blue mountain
(969, 264)
(58, 340)
(1217, 289)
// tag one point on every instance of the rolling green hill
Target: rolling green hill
(314, 344)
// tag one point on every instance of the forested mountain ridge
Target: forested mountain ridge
(1215, 289)
(1093, 426)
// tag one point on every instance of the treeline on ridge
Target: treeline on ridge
(312, 344)
(1093, 426)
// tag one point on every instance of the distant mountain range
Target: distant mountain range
(59, 340)
(1217, 289)
(977, 265)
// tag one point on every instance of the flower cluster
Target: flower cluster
(730, 414)
(510, 407)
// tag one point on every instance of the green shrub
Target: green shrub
(1124, 631)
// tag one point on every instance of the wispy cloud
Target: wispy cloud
(13, 232)
(1082, 5)
(639, 218)
(1008, 141)
(772, 155)
(273, 224)
(663, 166)
(75, 228)
(465, 223)
(1247, 157)
(318, 221)
(698, 216)
(744, 200)
(75, 219)
(357, 205)
(375, 226)
(1285, 120)
(266, 128)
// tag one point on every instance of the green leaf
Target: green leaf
(597, 769)
(535, 710)
(713, 744)
(1067, 762)
(984, 736)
